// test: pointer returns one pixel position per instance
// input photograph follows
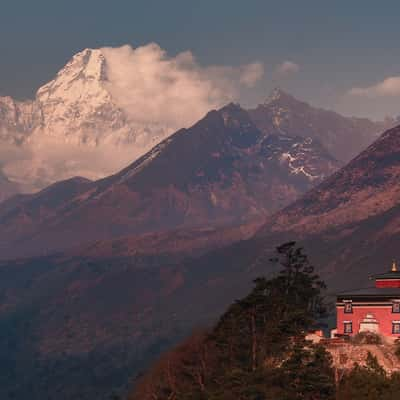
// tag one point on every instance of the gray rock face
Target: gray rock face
(343, 137)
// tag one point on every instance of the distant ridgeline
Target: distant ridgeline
(258, 349)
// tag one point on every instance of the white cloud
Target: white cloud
(172, 91)
(36, 165)
(288, 67)
(159, 94)
(388, 87)
(251, 74)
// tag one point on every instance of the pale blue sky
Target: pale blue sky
(338, 45)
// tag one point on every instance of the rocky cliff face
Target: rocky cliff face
(367, 187)
(17, 120)
(351, 222)
(345, 355)
(343, 137)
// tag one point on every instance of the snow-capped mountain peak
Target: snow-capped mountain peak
(87, 66)
(75, 112)
(80, 79)
(107, 107)
(343, 137)
(75, 105)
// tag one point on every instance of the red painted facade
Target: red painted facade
(386, 283)
(383, 314)
(374, 309)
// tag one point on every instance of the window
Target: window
(348, 327)
(348, 307)
(396, 327)
(396, 307)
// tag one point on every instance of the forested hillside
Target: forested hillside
(258, 349)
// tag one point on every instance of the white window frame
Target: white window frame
(348, 303)
(396, 303)
(396, 323)
(345, 324)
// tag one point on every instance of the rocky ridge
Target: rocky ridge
(222, 171)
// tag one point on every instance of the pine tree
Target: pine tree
(257, 349)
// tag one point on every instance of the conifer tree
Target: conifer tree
(257, 349)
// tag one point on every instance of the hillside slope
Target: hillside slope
(351, 221)
(96, 316)
(222, 171)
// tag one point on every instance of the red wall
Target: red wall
(383, 314)
(387, 283)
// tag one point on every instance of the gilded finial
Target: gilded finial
(394, 266)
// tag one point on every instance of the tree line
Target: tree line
(258, 351)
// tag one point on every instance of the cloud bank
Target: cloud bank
(36, 165)
(388, 87)
(173, 92)
(159, 94)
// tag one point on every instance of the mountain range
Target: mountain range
(351, 221)
(98, 276)
(75, 116)
(77, 125)
(343, 137)
(74, 107)
(222, 171)
(95, 316)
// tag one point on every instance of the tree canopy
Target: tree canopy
(257, 350)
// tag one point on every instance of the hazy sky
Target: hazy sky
(337, 54)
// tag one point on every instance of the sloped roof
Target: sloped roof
(388, 275)
(371, 292)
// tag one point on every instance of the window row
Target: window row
(348, 307)
(348, 327)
